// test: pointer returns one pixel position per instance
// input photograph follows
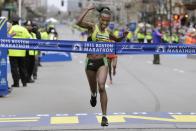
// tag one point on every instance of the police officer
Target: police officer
(129, 37)
(140, 35)
(44, 35)
(166, 37)
(175, 37)
(17, 57)
(30, 54)
(53, 35)
(37, 56)
(116, 32)
(148, 36)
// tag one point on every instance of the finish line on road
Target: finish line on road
(115, 119)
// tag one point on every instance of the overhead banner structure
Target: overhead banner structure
(96, 47)
(80, 47)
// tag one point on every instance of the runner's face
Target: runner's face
(104, 20)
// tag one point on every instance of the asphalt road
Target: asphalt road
(139, 86)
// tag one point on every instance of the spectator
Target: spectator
(156, 36)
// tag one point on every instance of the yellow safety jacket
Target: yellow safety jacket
(20, 32)
(148, 36)
(166, 38)
(44, 35)
(175, 38)
(33, 52)
(140, 35)
(116, 33)
(129, 36)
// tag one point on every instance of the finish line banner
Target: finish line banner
(96, 47)
(138, 48)
(59, 45)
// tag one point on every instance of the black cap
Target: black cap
(15, 18)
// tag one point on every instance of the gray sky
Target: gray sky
(57, 3)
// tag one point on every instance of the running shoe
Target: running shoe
(30, 81)
(15, 85)
(104, 121)
(93, 100)
(24, 84)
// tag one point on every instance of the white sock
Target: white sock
(94, 95)
(104, 115)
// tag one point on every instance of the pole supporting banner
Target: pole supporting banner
(3, 59)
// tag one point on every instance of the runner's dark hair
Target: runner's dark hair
(104, 10)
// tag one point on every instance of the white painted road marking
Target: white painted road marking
(178, 70)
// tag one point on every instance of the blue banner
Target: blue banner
(59, 45)
(97, 47)
(142, 48)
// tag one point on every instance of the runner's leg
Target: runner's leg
(101, 78)
(114, 64)
(110, 69)
(91, 76)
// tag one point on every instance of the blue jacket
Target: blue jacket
(156, 36)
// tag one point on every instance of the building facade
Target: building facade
(35, 3)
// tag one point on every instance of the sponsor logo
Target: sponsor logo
(160, 49)
(77, 47)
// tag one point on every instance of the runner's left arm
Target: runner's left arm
(112, 37)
